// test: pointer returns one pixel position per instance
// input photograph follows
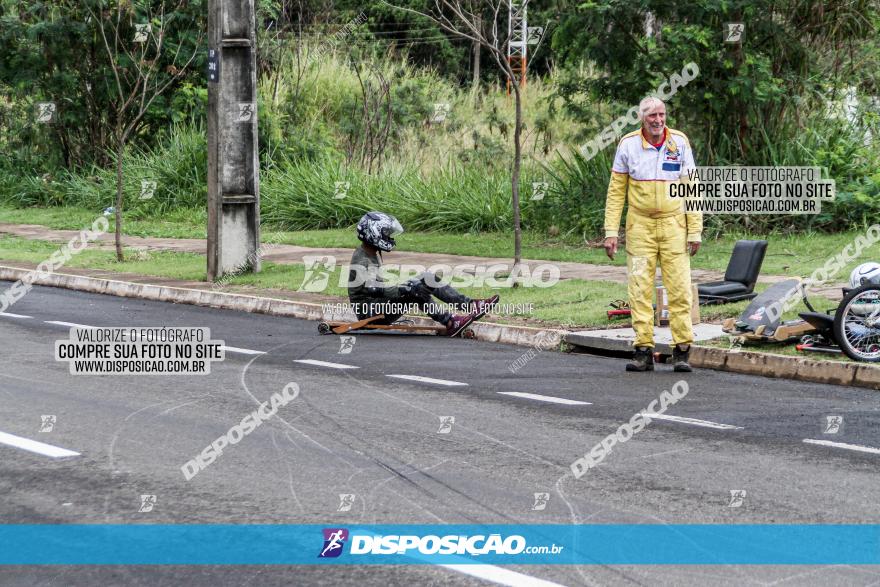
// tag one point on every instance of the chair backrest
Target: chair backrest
(745, 262)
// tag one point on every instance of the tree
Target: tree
(793, 56)
(142, 71)
(465, 19)
(53, 52)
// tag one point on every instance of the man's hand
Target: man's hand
(611, 246)
(693, 248)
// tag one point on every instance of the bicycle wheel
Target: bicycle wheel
(857, 324)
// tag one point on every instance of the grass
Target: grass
(779, 349)
(793, 255)
(178, 223)
(569, 303)
(172, 265)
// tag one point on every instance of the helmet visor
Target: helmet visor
(396, 228)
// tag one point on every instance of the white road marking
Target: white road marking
(491, 573)
(546, 398)
(695, 422)
(11, 315)
(858, 447)
(234, 349)
(34, 446)
(318, 363)
(421, 379)
(70, 324)
(500, 575)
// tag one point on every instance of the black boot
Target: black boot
(643, 359)
(680, 358)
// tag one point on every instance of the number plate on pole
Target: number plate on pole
(213, 65)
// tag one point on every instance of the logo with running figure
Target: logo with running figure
(334, 540)
(318, 270)
(832, 425)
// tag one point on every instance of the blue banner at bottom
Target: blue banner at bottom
(604, 544)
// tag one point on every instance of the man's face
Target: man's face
(655, 120)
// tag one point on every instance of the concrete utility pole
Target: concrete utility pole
(233, 159)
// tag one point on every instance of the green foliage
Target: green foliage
(301, 195)
(178, 166)
(791, 57)
(576, 199)
(772, 101)
(55, 52)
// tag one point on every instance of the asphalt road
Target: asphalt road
(368, 432)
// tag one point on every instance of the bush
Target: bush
(178, 166)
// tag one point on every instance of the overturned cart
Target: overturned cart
(852, 328)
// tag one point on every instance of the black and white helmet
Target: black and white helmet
(378, 229)
(865, 273)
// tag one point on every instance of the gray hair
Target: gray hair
(648, 104)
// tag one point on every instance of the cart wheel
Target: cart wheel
(324, 328)
(857, 324)
(468, 333)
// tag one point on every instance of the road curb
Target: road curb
(486, 331)
(739, 361)
(787, 367)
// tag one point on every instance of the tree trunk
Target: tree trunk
(740, 105)
(476, 51)
(120, 149)
(517, 160)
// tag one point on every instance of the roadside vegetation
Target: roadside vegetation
(797, 254)
(394, 115)
(571, 303)
(374, 120)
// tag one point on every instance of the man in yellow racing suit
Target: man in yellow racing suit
(657, 229)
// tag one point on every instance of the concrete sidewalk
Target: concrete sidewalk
(292, 254)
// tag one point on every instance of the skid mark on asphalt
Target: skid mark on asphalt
(282, 457)
(172, 408)
(506, 575)
(391, 397)
(112, 446)
(285, 422)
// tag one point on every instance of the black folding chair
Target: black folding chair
(740, 277)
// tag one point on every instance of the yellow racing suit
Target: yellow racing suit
(657, 228)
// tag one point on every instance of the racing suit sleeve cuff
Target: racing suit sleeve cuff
(611, 233)
(694, 238)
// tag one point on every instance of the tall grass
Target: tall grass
(453, 176)
(178, 166)
(457, 198)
